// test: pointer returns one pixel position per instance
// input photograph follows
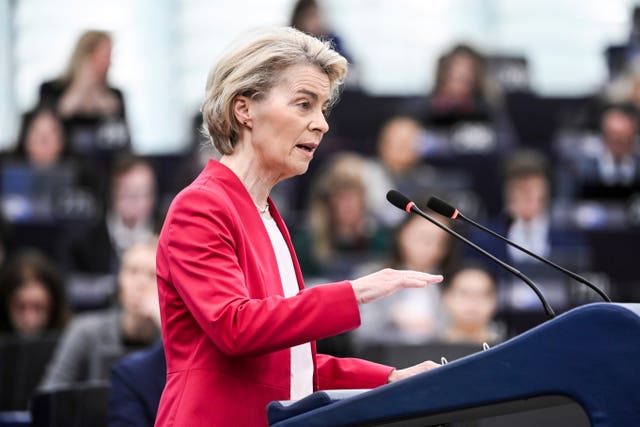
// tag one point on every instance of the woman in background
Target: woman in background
(412, 316)
(470, 301)
(95, 339)
(42, 142)
(33, 296)
(462, 89)
(341, 231)
(83, 89)
(92, 109)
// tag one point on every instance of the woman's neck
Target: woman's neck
(256, 179)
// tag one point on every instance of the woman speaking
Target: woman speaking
(239, 328)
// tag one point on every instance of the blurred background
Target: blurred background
(164, 49)
(522, 114)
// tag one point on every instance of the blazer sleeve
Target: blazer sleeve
(341, 373)
(204, 266)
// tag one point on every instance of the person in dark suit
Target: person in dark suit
(617, 164)
(137, 381)
(130, 218)
(526, 217)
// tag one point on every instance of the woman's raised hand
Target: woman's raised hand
(385, 282)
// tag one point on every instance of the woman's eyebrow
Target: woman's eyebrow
(309, 93)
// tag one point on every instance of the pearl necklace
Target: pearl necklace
(262, 210)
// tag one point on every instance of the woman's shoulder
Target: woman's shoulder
(217, 183)
(206, 197)
(206, 187)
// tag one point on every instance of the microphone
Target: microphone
(401, 201)
(445, 209)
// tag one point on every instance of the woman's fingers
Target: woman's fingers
(385, 282)
(400, 374)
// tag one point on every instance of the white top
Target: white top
(613, 172)
(532, 235)
(301, 360)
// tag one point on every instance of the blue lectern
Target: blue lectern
(590, 355)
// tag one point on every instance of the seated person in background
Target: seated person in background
(42, 141)
(469, 299)
(341, 231)
(462, 89)
(410, 316)
(93, 340)
(400, 166)
(616, 162)
(527, 196)
(527, 219)
(43, 147)
(137, 382)
(33, 296)
(93, 110)
(129, 219)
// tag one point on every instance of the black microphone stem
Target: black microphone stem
(545, 305)
(538, 257)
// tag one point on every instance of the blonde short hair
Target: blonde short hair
(252, 66)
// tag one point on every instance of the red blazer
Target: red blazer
(226, 326)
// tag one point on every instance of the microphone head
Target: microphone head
(399, 200)
(442, 207)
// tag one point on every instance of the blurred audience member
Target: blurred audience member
(137, 382)
(33, 296)
(617, 161)
(410, 316)
(526, 218)
(94, 340)
(93, 110)
(397, 167)
(42, 141)
(527, 195)
(341, 231)
(129, 219)
(462, 90)
(400, 166)
(43, 146)
(469, 299)
(83, 89)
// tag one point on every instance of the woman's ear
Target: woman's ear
(241, 110)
